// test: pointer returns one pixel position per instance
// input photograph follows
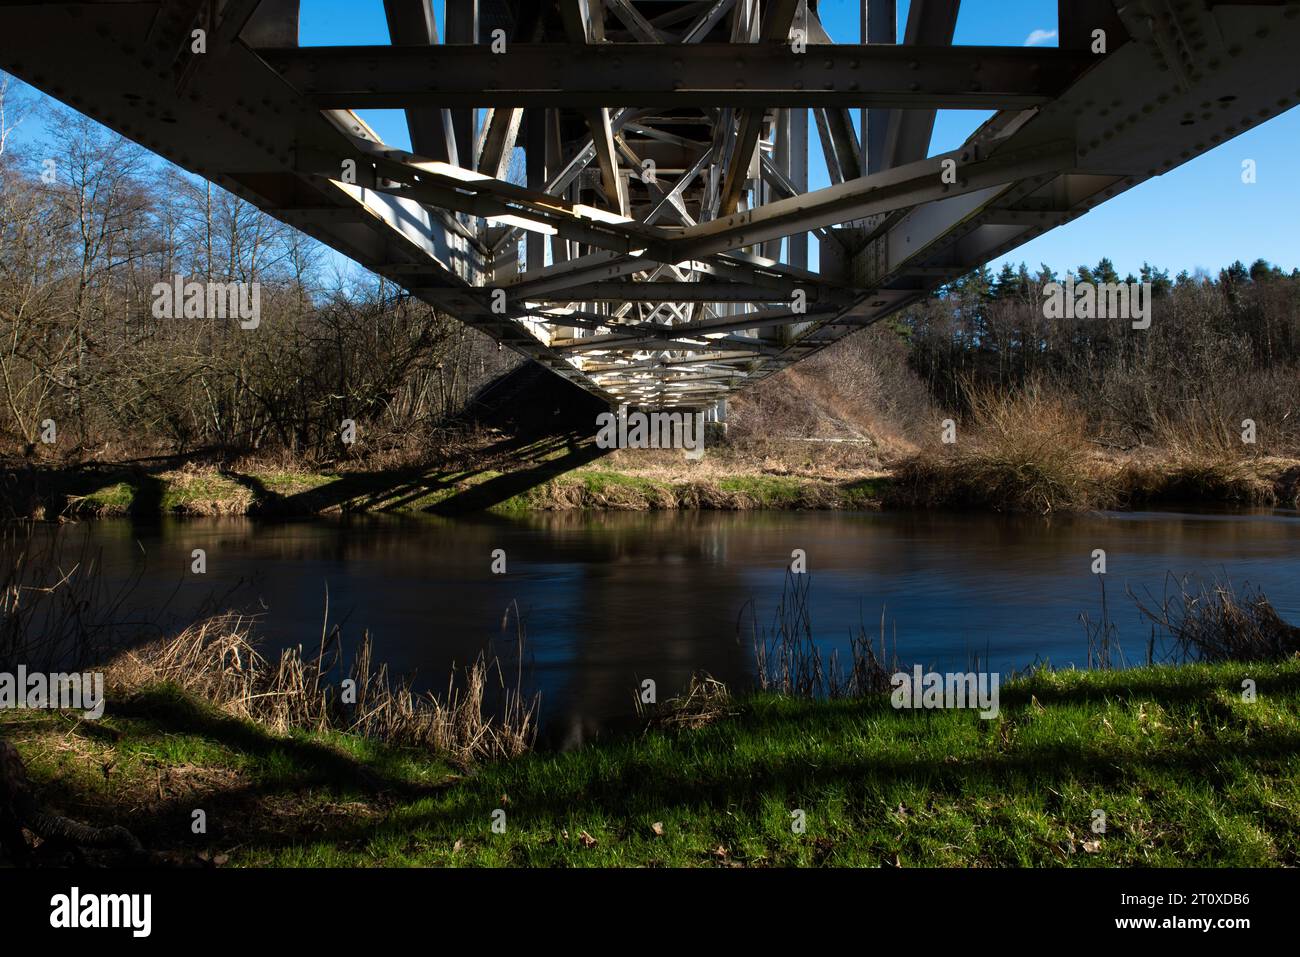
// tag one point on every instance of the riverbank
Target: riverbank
(1186, 772)
(581, 478)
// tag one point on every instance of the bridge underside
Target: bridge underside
(653, 246)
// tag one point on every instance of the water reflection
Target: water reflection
(610, 599)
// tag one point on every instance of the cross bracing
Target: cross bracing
(655, 246)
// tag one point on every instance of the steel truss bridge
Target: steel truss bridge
(654, 246)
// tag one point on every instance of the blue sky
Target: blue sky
(1197, 216)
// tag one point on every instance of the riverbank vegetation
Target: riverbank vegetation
(972, 398)
(479, 715)
(1193, 762)
(1185, 771)
(1020, 474)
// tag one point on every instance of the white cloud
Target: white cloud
(1039, 37)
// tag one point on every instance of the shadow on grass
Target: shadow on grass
(548, 422)
(448, 491)
(272, 809)
(266, 501)
(578, 451)
(59, 488)
(170, 713)
(700, 770)
(147, 495)
(524, 463)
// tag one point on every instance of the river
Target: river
(609, 599)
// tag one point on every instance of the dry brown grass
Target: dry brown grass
(732, 457)
(860, 390)
(705, 700)
(1025, 451)
(217, 659)
(1151, 478)
(1203, 458)
(659, 494)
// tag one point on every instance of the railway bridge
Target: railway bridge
(653, 245)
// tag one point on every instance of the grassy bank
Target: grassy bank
(1186, 772)
(107, 493)
(927, 480)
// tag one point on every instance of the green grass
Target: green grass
(770, 491)
(1185, 771)
(167, 492)
(111, 499)
(924, 481)
(602, 488)
(302, 493)
(293, 483)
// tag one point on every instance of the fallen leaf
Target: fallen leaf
(586, 839)
(1092, 847)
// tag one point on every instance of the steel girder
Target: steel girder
(665, 214)
(761, 75)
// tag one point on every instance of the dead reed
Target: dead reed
(1213, 624)
(705, 700)
(1216, 623)
(789, 662)
(56, 609)
(217, 659)
(1104, 651)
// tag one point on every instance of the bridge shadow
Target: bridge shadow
(25, 488)
(580, 451)
(544, 426)
(542, 423)
(528, 461)
(508, 467)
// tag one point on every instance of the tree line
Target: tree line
(1220, 349)
(90, 224)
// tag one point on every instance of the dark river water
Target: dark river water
(609, 599)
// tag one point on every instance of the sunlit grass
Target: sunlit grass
(1186, 772)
